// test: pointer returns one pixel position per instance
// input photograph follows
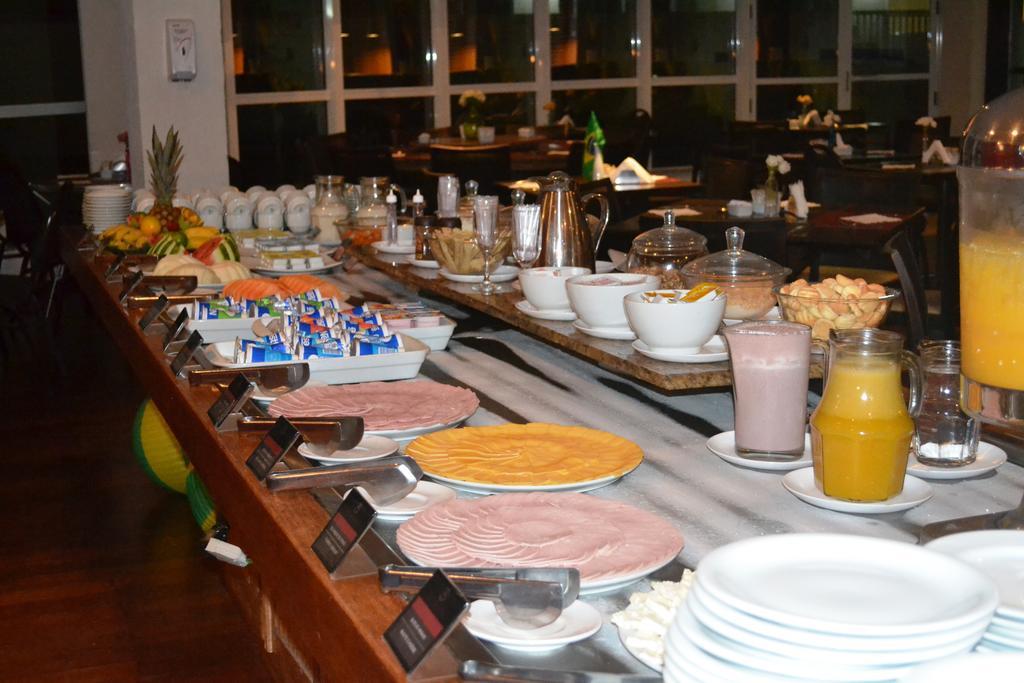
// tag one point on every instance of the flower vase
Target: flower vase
(470, 126)
(771, 194)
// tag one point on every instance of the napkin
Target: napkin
(812, 119)
(798, 200)
(842, 149)
(870, 218)
(937, 148)
(527, 185)
(631, 172)
(831, 119)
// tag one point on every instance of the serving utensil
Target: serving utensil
(322, 435)
(387, 480)
(171, 284)
(275, 380)
(473, 670)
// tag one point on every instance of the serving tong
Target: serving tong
(525, 598)
(473, 670)
(275, 380)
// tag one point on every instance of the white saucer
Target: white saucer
(529, 309)
(264, 399)
(425, 263)
(999, 554)
(370, 448)
(712, 352)
(580, 620)
(500, 274)
(620, 333)
(386, 247)
(989, 458)
(773, 314)
(801, 484)
(601, 267)
(425, 494)
(724, 446)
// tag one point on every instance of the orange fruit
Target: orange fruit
(150, 225)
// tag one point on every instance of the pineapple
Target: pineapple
(164, 162)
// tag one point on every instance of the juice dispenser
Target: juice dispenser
(991, 178)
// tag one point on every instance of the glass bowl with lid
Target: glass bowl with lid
(664, 251)
(746, 277)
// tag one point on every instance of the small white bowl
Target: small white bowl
(683, 327)
(597, 299)
(544, 287)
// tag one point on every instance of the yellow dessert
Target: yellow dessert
(992, 309)
(860, 432)
(534, 454)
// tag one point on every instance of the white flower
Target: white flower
(468, 95)
(774, 161)
(926, 122)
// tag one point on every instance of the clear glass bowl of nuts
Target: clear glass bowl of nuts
(838, 303)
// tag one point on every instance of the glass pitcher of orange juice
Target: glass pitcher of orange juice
(862, 429)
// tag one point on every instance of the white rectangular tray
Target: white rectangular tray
(388, 366)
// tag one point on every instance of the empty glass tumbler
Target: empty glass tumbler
(945, 435)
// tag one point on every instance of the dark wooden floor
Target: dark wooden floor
(102, 577)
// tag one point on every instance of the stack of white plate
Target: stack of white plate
(999, 554)
(824, 608)
(105, 205)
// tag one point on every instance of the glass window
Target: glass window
(778, 102)
(490, 41)
(797, 38)
(269, 138)
(611, 105)
(278, 45)
(693, 37)
(593, 39)
(43, 146)
(706, 109)
(890, 36)
(388, 121)
(502, 109)
(386, 43)
(891, 101)
(41, 52)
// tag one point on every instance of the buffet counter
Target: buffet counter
(325, 629)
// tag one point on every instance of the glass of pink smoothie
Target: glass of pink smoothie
(770, 362)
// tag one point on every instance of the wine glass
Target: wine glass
(485, 218)
(526, 234)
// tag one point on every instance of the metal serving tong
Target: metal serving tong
(386, 480)
(171, 284)
(322, 435)
(527, 598)
(270, 379)
(472, 670)
(148, 298)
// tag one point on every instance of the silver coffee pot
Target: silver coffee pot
(568, 235)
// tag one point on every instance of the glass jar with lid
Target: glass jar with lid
(330, 208)
(746, 277)
(664, 251)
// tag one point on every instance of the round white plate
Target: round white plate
(989, 458)
(370, 448)
(618, 333)
(477, 487)
(529, 309)
(846, 584)
(991, 668)
(253, 264)
(578, 621)
(386, 247)
(801, 484)
(413, 432)
(724, 446)
(601, 267)
(423, 496)
(999, 554)
(712, 352)
(1000, 635)
(500, 274)
(773, 314)
(425, 263)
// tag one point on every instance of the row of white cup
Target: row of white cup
(230, 208)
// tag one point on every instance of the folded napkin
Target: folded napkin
(631, 172)
(898, 167)
(677, 210)
(566, 120)
(831, 119)
(871, 218)
(798, 200)
(937, 148)
(842, 149)
(811, 119)
(527, 185)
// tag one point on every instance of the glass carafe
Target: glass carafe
(861, 431)
(330, 207)
(373, 192)
(991, 178)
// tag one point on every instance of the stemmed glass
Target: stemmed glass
(485, 217)
(526, 234)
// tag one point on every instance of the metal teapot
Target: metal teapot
(567, 235)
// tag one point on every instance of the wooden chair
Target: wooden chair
(907, 135)
(484, 164)
(23, 216)
(919, 303)
(838, 188)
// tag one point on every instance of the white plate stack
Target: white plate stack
(999, 554)
(105, 205)
(824, 608)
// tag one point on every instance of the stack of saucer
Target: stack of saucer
(999, 554)
(105, 205)
(824, 607)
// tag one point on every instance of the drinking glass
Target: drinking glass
(526, 234)
(758, 201)
(485, 215)
(944, 435)
(447, 196)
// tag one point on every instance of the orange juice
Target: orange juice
(861, 431)
(992, 309)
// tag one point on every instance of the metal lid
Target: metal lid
(994, 138)
(558, 180)
(736, 263)
(669, 240)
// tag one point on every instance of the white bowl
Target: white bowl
(681, 327)
(597, 299)
(544, 287)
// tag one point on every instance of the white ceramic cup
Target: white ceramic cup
(485, 134)
(544, 287)
(597, 299)
(683, 327)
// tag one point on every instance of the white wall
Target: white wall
(962, 70)
(124, 59)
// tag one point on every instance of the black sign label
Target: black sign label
(130, 285)
(230, 399)
(186, 353)
(175, 329)
(153, 313)
(118, 260)
(426, 621)
(281, 438)
(343, 531)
